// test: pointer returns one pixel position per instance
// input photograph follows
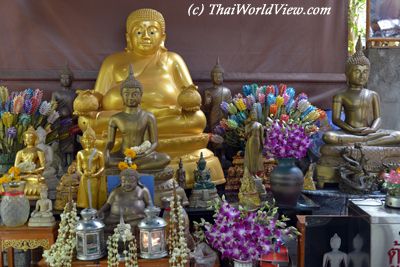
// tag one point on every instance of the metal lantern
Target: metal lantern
(152, 235)
(90, 244)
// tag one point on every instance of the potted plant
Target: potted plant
(245, 236)
(392, 184)
(286, 142)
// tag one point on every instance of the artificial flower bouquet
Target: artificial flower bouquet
(392, 182)
(18, 111)
(246, 235)
(272, 102)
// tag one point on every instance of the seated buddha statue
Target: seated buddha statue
(168, 93)
(31, 162)
(136, 126)
(130, 198)
(361, 125)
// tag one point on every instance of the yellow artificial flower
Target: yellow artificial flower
(134, 166)
(130, 153)
(5, 179)
(15, 171)
(122, 165)
(7, 119)
(3, 93)
(398, 170)
(279, 101)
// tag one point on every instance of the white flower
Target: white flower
(45, 108)
(53, 117)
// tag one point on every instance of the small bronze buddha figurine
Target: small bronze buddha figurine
(136, 126)
(202, 175)
(215, 95)
(31, 162)
(131, 198)
(180, 175)
(204, 191)
(64, 99)
(69, 184)
(361, 124)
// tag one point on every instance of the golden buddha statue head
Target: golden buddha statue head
(88, 138)
(358, 66)
(131, 90)
(217, 73)
(145, 31)
(30, 137)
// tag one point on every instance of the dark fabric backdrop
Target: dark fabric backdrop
(38, 36)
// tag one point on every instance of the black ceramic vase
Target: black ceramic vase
(286, 182)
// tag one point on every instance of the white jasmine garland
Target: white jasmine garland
(178, 248)
(61, 252)
(122, 233)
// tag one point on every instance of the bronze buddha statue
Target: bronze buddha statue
(215, 95)
(64, 99)
(168, 93)
(130, 198)
(361, 124)
(136, 126)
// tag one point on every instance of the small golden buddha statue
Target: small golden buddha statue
(69, 184)
(168, 93)
(137, 127)
(361, 124)
(90, 166)
(31, 162)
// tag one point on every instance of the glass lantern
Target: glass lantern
(90, 244)
(152, 235)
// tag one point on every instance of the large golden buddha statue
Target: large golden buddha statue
(168, 93)
(361, 124)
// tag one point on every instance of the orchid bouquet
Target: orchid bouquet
(18, 111)
(243, 235)
(272, 102)
(392, 182)
(286, 140)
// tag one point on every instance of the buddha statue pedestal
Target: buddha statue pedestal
(327, 169)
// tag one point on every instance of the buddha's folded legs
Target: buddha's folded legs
(383, 137)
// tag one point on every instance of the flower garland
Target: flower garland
(61, 252)
(12, 175)
(130, 155)
(122, 233)
(178, 249)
